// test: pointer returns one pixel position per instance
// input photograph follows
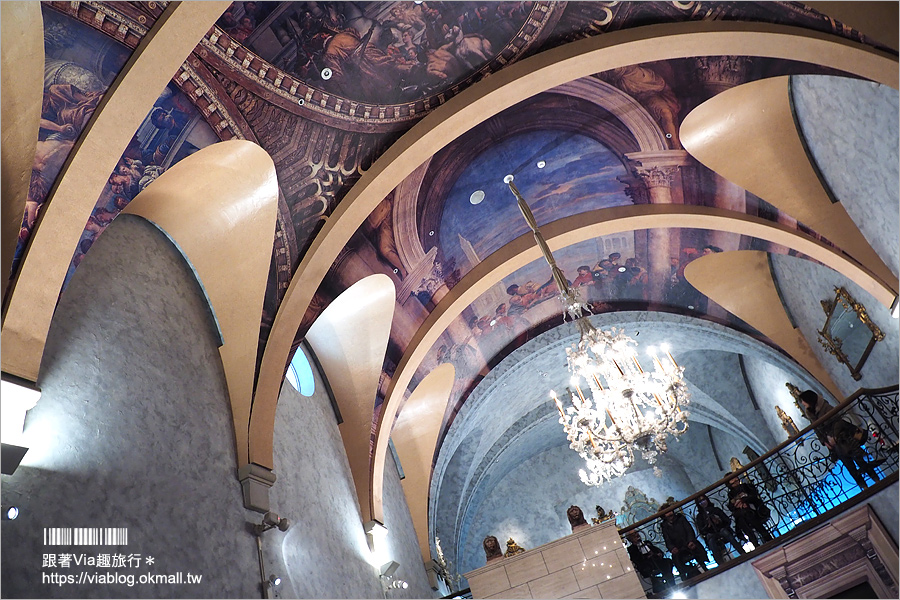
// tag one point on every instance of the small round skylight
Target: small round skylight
(476, 197)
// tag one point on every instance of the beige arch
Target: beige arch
(501, 90)
(33, 295)
(723, 133)
(220, 205)
(415, 437)
(571, 230)
(754, 298)
(22, 60)
(350, 338)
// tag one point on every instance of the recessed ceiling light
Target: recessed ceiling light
(326, 73)
(476, 197)
(431, 233)
(541, 164)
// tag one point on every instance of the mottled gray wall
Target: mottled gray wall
(530, 503)
(768, 383)
(133, 429)
(851, 129)
(509, 420)
(803, 285)
(324, 554)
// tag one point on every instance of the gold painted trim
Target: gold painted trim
(220, 205)
(23, 88)
(33, 295)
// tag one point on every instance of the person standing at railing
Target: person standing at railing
(649, 560)
(844, 440)
(750, 512)
(682, 543)
(715, 527)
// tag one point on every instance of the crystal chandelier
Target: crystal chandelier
(625, 407)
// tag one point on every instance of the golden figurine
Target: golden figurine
(787, 422)
(735, 464)
(795, 394)
(512, 548)
(602, 515)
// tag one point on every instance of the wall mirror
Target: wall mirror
(848, 334)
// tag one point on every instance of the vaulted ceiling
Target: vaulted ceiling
(651, 130)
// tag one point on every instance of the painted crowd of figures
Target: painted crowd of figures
(376, 53)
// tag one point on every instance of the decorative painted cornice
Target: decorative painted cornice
(287, 91)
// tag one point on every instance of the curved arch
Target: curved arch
(219, 205)
(630, 112)
(351, 336)
(502, 90)
(415, 437)
(754, 298)
(723, 134)
(33, 295)
(23, 87)
(571, 230)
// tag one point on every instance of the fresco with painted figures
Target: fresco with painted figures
(79, 65)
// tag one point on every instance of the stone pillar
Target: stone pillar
(255, 483)
(658, 172)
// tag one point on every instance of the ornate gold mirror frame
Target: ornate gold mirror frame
(849, 333)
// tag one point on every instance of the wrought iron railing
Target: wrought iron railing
(802, 478)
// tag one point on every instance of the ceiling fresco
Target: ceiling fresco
(326, 87)
(387, 52)
(79, 65)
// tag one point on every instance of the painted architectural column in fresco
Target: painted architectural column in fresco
(362, 261)
(658, 171)
(719, 73)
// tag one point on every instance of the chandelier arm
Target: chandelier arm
(608, 450)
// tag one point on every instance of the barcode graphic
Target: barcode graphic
(85, 536)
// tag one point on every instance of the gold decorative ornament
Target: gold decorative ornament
(512, 548)
(602, 515)
(787, 423)
(849, 333)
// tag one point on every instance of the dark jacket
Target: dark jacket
(646, 563)
(711, 520)
(756, 507)
(678, 533)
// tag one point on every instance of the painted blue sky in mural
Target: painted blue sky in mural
(578, 174)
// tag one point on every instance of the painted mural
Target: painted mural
(79, 65)
(609, 274)
(559, 174)
(173, 130)
(429, 235)
(377, 52)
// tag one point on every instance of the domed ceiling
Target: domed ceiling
(333, 91)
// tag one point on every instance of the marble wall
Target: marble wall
(134, 430)
(530, 503)
(804, 284)
(851, 129)
(325, 554)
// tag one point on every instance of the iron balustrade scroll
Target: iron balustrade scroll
(803, 478)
